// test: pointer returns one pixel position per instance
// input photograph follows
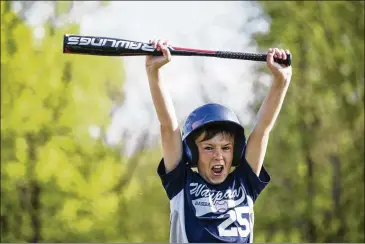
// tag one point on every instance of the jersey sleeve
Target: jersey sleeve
(254, 184)
(173, 181)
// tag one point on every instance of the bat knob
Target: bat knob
(288, 60)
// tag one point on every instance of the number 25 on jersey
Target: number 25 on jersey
(240, 215)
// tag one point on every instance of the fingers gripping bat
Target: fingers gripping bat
(107, 46)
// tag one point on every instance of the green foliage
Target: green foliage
(58, 184)
(316, 150)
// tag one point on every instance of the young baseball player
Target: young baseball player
(216, 203)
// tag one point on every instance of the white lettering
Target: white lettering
(85, 41)
(201, 190)
(148, 47)
(73, 40)
(122, 44)
(109, 40)
(96, 44)
(219, 196)
(228, 194)
(135, 45)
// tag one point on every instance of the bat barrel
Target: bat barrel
(104, 46)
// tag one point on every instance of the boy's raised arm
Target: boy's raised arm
(269, 111)
(169, 127)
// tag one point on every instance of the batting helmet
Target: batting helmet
(210, 114)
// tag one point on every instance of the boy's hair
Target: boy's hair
(213, 129)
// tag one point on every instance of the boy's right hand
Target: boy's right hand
(153, 63)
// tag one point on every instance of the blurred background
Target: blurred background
(80, 139)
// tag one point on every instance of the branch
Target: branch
(132, 164)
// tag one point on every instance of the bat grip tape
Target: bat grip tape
(251, 56)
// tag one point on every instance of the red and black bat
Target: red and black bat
(107, 46)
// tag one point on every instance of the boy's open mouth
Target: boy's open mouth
(217, 169)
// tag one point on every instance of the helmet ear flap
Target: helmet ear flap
(239, 149)
(190, 152)
(187, 153)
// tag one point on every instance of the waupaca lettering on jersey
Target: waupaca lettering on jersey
(215, 202)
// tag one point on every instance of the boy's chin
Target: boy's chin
(215, 180)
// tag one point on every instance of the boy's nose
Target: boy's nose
(218, 154)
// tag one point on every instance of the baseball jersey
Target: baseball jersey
(203, 212)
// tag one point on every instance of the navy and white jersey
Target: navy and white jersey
(203, 212)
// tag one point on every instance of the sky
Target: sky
(214, 25)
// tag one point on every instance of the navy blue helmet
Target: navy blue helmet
(209, 114)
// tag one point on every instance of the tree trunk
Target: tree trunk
(33, 189)
(35, 211)
(311, 231)
(302, 73)
(336, 196)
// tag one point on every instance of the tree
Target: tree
(316, 149)
(58, 183)
(49, 161)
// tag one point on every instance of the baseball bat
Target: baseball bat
(107, 46)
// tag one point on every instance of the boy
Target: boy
(214, 204)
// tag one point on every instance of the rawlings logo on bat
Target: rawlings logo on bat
(93, 41)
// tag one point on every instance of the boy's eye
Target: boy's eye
(226, 148)
(208, 148)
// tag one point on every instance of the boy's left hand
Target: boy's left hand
(280, 71)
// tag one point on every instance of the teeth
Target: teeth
(218, 166)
